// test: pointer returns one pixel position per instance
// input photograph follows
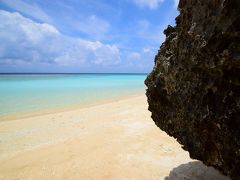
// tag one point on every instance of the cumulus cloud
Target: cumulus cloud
(141, 60)
(152, 4)
(25, 41)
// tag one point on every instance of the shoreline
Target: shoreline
(20, 115)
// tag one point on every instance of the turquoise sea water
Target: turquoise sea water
(22, 94)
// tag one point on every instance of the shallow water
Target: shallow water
(22, 94)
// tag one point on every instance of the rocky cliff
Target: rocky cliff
(194, 88)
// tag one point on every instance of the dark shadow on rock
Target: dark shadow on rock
(195, 171)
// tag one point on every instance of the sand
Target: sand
(114, 140)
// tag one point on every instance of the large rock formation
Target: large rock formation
(194, 88)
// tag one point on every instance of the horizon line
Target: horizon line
(1, 73)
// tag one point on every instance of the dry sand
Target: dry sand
(115, 140)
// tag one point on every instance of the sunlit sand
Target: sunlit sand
(115, 140)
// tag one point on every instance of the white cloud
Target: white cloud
(147, 50)
(134, 56)
(140, 59)
(152, 4)
(92, 25)
(31, 10)
(25, 41)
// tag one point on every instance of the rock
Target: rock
(194, 88)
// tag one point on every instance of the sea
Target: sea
(23, 95)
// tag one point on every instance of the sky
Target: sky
(82, 36)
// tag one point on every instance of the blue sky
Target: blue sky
(82, 35)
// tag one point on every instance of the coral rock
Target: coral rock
(194, 88)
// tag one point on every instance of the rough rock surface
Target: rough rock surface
(194, 89)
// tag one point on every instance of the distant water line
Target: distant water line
(26, 94)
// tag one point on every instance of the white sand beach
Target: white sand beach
(115, 140)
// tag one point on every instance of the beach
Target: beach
(113, 140)
(119, 90)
